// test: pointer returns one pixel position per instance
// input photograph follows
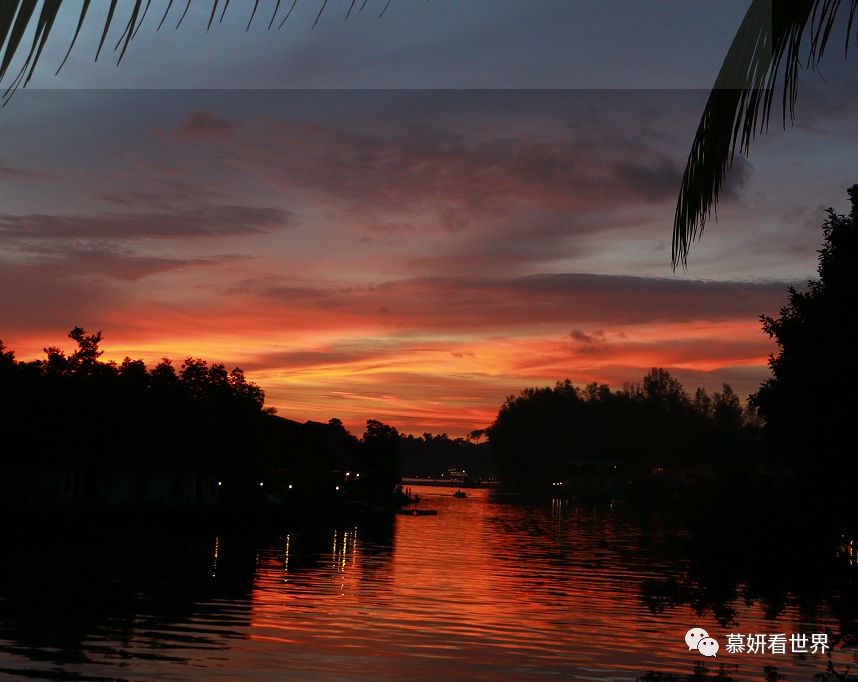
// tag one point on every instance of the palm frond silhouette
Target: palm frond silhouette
(26, 25)
(768, 47)
(776, 40)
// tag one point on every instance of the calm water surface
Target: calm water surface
(486, 589)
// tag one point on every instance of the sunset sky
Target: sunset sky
(437, 236)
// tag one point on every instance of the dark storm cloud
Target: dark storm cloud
(658, 179)
(587, 337)
(653, 181)
(483, 303)
(159, 187)
(117, 265)
(463, 179)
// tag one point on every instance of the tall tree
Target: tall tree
(381, 443)
(810, 402)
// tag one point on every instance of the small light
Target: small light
(348, 473)
(337, 488)
(220, 482)
(290, 486)
(357, 475)
(261, 484)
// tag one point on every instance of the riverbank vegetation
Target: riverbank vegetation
(80, 431)
(543, 435)
(796, 426)
(87, 429)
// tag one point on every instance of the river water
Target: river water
(490, 588)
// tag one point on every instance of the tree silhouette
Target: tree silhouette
(768, 47)
(810, 401)
(76, 411)
(726, 409)
(87, 352)
(381, 442)
(660, 388)
(540, 435)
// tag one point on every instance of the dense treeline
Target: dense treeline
(379, 452)
(801, 416)
(433, 455)
(77, 407)
(75, 410)
(542, 433)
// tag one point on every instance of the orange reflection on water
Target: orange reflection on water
(485, 589)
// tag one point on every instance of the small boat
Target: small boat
(417, 512)
(460, 494)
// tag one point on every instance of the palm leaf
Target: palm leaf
(17, 17)
(767, 49)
